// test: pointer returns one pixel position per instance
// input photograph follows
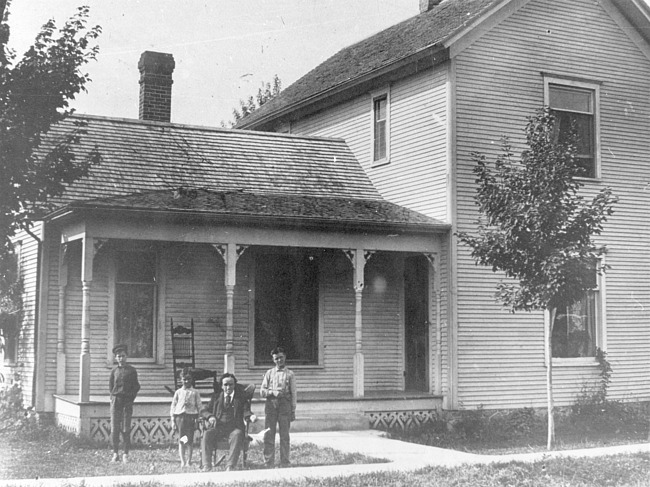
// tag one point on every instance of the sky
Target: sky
(224, 49)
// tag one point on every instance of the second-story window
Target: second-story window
(575, 104)
(380, 128)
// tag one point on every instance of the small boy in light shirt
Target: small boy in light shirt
(184, 412)
(279, 389)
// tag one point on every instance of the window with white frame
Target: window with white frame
(380, 128)
(575, 106)
(135, 303)
(578, 328)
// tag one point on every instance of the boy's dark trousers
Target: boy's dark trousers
(278, 413)
(121, 412)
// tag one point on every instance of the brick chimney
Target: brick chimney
(156, 70)
(426, 5)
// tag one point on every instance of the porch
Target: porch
(317, 411)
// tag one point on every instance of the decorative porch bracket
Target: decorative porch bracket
(434, 264)
(230, 253)
(60, 338)
(358, 258)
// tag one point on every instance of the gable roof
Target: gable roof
(412, 45)
(144, 164)
(424, 32)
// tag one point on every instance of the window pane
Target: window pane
(134, 318)
(286, 305)
(380, 106)
(584, 127)
(574, 329)
(570, 99)
(380, 141)
(135, 296)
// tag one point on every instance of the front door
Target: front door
(416, 322)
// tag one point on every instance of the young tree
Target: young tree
(267, 92)
(536, 227)
(35, 93)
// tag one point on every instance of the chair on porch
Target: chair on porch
(183, 355)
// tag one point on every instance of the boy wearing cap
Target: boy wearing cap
(123, 386)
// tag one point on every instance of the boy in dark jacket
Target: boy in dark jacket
(123, 386)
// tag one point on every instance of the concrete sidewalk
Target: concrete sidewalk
(400, 456)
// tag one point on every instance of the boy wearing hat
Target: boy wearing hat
(123, 386)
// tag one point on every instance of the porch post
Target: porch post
(230, 254)
(87, 256)
(60, 339)
(358, 257)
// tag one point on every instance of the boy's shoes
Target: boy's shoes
(116, 458)
(125, 458)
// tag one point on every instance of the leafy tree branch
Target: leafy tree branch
(35, 94)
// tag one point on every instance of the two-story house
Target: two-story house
(335, 237)
(414, 101)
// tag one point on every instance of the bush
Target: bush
(479, 428)
(14, 416)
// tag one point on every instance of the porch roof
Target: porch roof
(243, 206)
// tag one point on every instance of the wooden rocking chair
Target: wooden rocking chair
(183, 357)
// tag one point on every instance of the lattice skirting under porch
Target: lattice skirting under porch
(143, 430)
(383, 420)
(68, 423)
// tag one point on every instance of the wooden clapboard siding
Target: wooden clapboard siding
(194, 289)
(51, 316)
(73, 308)
(500, 362)
(416, 176)
(27, 250)
(383, 345)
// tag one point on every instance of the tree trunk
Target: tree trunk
(549, 382)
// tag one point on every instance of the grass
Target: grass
(61, 455)
(33, 451)
(620, 471)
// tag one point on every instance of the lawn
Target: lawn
(61, 455)
(618, 471)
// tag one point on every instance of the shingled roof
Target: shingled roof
(243, 207)
(146, 165)
(139, 156)
(386, 48)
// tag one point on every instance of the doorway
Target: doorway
(416, 323)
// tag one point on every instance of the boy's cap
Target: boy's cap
(120, 348)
